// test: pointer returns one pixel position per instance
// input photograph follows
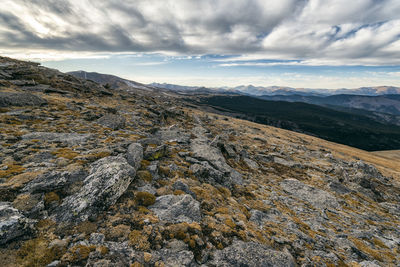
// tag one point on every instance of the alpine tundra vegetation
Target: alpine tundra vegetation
(94, 176)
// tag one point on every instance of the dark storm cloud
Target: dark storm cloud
(315, 31)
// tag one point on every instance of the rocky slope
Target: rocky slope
(91, 177)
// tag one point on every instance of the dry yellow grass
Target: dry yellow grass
(388, 165)
(389, 154)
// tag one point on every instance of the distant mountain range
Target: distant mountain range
(279, 90)
(383, 103)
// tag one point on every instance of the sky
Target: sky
(213, 43)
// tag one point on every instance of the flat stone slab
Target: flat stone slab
(316, 197)
(20, 99)
(70, 138)
(177, 209)
(251, 254)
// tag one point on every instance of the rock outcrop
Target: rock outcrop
(211, 166)
(20, 99)
(13, 224)
(252, 255)
(177, 209)
(107, 181)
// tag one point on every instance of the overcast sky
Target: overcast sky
(299, 43)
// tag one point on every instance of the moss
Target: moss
(224, 191)
(51, 197)
(144, 164)
(80, 253)
(96, 156)
(164, 171)
(136, 264)
(379, 255)
(138, 240)
(157, 155)
(159, 264)
(86, 227)
(36, 252)
(192, 243)
(45, 224)
(230, 223)
(378, 243)
(144, 210)
(119, 232)
(11, 170)
(180, 235)
(103, 250)
(65, 153)
(25, 202)
(144, 175)
(145, 199)
(178, 192)
(147, 256)
(152, 145)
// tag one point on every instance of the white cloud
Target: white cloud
(335, 32)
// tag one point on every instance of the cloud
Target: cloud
(336, 32)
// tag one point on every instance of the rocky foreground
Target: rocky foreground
(95, 177)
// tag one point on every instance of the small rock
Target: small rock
(154, 153)
(251, 163)
(251, 254)
(179, 185)
(176, 209)
(13, 224)
(69, 138)
(112, 121)
(134, 155)
(96, 239)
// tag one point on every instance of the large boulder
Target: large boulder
(13, 224)
(108, 180)
(251, 254)
(177, 209)
(20, 99)
(318, 198)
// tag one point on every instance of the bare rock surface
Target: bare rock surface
(134, 155)
(107, 181)
(318, 198)
(212, 163)
(251, 254)
(20, 99)
(176, 209)
(112, 121)
(13, 224)
(70, 138)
